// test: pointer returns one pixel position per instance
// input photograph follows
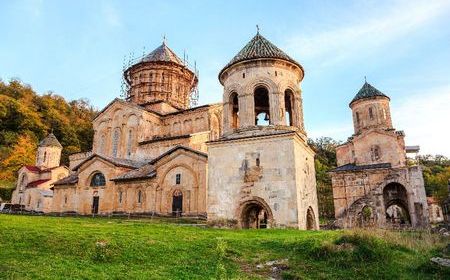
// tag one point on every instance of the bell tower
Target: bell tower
(261, 170)
(262, 88)
(49, 152)
(161, 81)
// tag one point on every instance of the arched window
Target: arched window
(234, 104)
(98, 179)
(357, 118)
(262, 106)
(129, 143)
(376, 155)
(371, 116)
(45, 156)
(139, 198)
(116, 139)
(102, 144)
(23, 182)
(120, 196)
(288, 105)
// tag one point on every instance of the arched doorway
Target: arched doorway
(255, 214)
(396, 204)
(262, 107)
(177, 203)
(310, 219)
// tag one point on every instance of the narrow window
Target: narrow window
(276, 74)
(357, 118)
(371, 113)
(116, 139)
(120, 197)
(257, 162)
(130, 139)
(234, 104)
(243, 75)
(178, 179)
(45, 156)
(65, 199)
(262, 106)
(438, 214)
(139, 196)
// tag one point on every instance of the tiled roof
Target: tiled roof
(69, 180)
(162, 54)
(50, 141)
(115, 161)
(367, 91)
(178, 147)
(32, 168)
(259, 47)
(353, 167)
(37, 183)
(145, 172)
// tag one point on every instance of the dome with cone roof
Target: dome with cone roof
(259, 48)
(50, 141)
(162, 54)
(367, 91)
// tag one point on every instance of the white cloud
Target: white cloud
(425, 118)
(111, 15)
(371, 31)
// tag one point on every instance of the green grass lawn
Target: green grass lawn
(100, 248)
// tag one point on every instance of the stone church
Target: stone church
(244, 160)
(375, 184)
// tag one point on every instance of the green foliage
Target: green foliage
(100, 248)
(6, 189)
(325, 160)
(26, 117)
(436, 174)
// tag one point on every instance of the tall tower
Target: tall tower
(261, 170)
(161, 81)
(49, 152)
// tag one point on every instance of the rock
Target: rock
(441, 261)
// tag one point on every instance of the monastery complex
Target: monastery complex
(245, 159)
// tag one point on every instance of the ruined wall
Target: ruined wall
(354, 190)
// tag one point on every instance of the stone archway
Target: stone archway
(396, 204)
(255, 213)
(310, 219)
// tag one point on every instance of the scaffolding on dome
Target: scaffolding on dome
(130, 60)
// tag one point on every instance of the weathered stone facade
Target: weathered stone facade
(373, 184)
(246, 159)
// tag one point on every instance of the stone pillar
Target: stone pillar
(227, 117)
(246, 110)
(276, 107)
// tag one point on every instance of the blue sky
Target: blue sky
(77, 49)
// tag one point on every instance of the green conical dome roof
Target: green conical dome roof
(367, 91)
(259, 47)
(50, 141)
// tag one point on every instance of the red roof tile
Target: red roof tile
(37, 183)
(33, 168)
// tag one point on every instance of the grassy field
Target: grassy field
(100, 248)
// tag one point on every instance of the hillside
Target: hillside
(26, 117)
(100, 248)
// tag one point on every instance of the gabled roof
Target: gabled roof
(148, 171)
(353, 167)
(122, 162)
(69, 180)
(259, 47)
(176, 148)
(50, 141)
(145, 172)
(367, 91)
(162, 54)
